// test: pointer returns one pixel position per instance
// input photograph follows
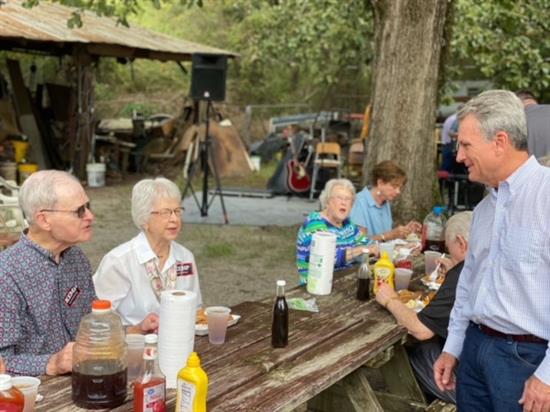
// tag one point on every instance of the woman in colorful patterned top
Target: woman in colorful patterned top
(336, 202)
(133, 275)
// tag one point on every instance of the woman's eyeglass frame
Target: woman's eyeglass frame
(167, 213)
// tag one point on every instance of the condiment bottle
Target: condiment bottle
(11, 398)
(150, 386)
(192, 386)
(433, 230)
(383, 272)
(363, 282)
(100, 359)
(279, 327)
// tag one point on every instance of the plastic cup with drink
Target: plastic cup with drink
(388, 248)
(402, 278)
(136, 343)
(29, 386)
(430, 260)
(217, 317)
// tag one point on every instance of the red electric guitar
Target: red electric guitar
(298, 180)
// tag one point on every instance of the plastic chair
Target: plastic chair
(327, 155)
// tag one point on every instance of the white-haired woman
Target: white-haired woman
(336, 203)
(133, 275)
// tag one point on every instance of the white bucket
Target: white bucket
(256, 162)
(96, 174)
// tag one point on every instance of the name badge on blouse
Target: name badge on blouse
(71, 296)
(184, 268)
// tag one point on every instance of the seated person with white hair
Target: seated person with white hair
(133, 275)
(45, 278)
(336, 203)
(429, 326)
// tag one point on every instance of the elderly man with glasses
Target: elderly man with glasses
(45, 279)
(133, 275)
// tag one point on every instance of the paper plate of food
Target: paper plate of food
(433, 284)
(201, 323)
(415, 300)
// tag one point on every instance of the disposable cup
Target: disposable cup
(388, 248)
(29, 386)
(217, 317)
(136, 344)
(430, 260)
(402, 278)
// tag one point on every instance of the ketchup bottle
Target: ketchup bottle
(150, 386)
(11, 398)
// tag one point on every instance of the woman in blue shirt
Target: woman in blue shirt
(372, 210)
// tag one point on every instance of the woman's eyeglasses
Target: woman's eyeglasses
(80, 211)
(166, 213)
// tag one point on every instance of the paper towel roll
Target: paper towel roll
(321, 263)
(176, 331)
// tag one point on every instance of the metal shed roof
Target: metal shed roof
(44, 28)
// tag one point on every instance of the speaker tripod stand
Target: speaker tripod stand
(208, 163)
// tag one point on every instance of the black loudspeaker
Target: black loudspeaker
(208, 77)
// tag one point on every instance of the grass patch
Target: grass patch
(218, 250)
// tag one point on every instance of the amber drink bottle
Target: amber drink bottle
(279, 328)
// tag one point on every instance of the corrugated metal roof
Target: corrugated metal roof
(44, 27)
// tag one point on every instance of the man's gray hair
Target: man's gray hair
(39, 191)
(459, 224)
(496, 111)
(146, 192)
(329, 187)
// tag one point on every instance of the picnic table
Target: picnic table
(330, 357)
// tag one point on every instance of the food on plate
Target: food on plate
(412, 237)
(439, 280)
(408, 295)
(428, 297)
(202, 318)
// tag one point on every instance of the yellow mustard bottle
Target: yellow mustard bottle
(383, 272)
(192, 386)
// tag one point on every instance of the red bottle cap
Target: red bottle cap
(101, 304)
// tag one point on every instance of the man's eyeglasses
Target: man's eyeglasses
(166, 213)
(80, 212)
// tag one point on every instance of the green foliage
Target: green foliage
(141, 108)
(507, 41)
(319, 51)
(121, 9)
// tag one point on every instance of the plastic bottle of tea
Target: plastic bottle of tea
(100, 359)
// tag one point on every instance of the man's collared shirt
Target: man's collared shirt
(122, 277)
(366, 213)
(42, 303)
(505, 283)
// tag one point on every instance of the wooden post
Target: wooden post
(82, 121)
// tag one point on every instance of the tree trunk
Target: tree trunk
(409, 37)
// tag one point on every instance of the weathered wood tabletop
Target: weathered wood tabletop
(247, 374)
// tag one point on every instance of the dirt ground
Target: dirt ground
(236, 263)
